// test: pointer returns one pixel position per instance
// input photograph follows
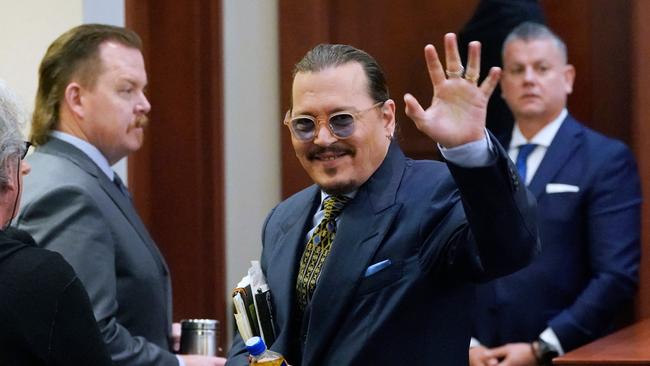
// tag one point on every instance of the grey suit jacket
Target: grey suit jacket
(70, 206)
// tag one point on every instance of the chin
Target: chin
(338, 187)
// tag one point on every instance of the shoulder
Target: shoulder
(58, 181)
(34, 276)
(48, 168)
(427, 178)
(595, 141)
(297, 200)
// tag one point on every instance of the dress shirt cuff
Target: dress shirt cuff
(473, 154)
(473, 342)
(180, 360)
(549, 336)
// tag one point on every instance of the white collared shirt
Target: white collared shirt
(542, 139)
(87, 148)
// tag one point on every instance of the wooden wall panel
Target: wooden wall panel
(640, 101)
(597, 34)
(176, 178)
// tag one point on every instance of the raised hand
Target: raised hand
(458, 108)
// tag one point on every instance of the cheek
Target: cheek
(299, 148)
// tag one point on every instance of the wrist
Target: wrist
(543, 352)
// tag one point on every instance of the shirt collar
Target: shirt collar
(89, 149)
(324, 195)
(542, 138)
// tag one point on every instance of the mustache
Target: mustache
(333, 149)
(142, 121)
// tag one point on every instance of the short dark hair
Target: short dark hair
(330, 55)
(74, 54)
(531, 31)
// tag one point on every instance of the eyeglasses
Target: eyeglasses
(25, 150)
(340, 124)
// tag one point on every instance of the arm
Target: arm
(66, 219)
(75, 338)
(456, 118)
(612, 217)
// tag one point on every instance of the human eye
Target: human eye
(342, 124)
(125, 90)
(515, 70)
(303, 124)
(341, 120)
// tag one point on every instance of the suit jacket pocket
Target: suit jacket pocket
(386, 277)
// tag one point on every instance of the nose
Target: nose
(144, 106)
(323, 136)
(529, 74)
(25, 168)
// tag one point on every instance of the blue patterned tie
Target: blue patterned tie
(522, 157)
(317, 249)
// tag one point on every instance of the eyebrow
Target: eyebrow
(350, 109)
(133, 82)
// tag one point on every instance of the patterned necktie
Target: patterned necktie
(317, 249)
(522, 157)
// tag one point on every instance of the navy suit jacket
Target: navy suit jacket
(417, 310)
(590, 246)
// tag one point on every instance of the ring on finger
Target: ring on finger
(472, 78)
(455, 74)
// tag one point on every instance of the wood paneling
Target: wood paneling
(640, 102)
(629, 346)
(176, 178)
(597, 34)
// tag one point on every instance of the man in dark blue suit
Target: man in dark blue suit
(374, 263)
(588, 194)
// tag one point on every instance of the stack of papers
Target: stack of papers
(253, 307)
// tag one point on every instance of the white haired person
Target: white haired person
(45, 314)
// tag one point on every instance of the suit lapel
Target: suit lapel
(286, 255)
(564, 144)
(125, 205)
(79, 158)
(363, 226)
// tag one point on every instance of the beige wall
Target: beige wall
(28, 27)
(252, 127)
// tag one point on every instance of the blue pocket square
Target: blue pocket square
(374, 268)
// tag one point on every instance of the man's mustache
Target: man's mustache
(142, 121)
(332, 149)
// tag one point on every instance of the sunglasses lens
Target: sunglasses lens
(303, 128)
(342, 125)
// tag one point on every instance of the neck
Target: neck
(70, 125)
(530, 129)
(531, 125)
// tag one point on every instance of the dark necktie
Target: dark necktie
(120, 185)
(522, 157)
(317, 249)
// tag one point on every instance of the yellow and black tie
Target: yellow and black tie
(317, 249)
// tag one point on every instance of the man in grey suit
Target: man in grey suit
(91, 112)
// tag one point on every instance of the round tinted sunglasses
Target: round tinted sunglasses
(340, 124)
